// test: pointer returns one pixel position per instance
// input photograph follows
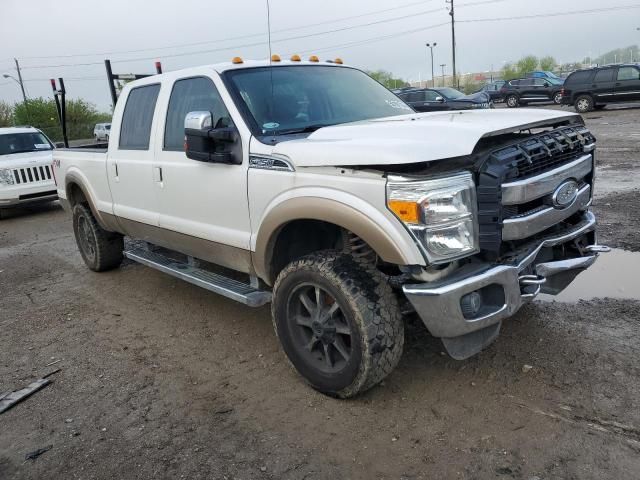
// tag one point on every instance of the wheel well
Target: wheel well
(75, 195)
(301, 237)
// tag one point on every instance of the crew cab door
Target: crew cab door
(603, 85)
(205, 202)
(627, 84)
(130, 157)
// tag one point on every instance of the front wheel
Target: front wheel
(338, 322)
(557, 98)
(512, 101)
(101, 250)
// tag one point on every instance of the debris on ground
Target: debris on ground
(36, 453)
(9, 399)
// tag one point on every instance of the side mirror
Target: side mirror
(440, 99)
(546, 84)
(59, 145)
(207, 144)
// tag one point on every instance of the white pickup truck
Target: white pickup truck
(311, 186)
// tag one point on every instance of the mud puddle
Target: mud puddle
(614, 275)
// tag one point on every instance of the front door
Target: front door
(200, 200)
(604, 84)
(130, 160)
(627, 84)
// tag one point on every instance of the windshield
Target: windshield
(107, 127)
(306, 98)
(450, 93)
(23, 142)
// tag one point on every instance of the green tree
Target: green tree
(41, 113)
(6, 114)
(509, 72)
(548, 63)
(387, 79)
(527, 64)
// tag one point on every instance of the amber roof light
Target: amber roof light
(237, 60)
(295, 58)
(314, 58)
(275, 58)
(338, 61)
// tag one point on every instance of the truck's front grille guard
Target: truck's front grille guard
(23, 175)
(529, 158)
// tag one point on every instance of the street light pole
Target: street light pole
(5, 75)
(433, 79)
(443, 65)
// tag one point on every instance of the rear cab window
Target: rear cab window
(135, 129)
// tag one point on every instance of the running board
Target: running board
(227, 287)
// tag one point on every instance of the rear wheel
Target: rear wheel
(101, 250)
(338, 322)
(584, 104)
(512, 101)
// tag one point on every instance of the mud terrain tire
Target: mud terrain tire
(101, 250)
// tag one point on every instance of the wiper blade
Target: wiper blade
(307, 129)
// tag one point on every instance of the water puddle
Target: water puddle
(614, 275)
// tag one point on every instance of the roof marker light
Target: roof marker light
(237, 60)
(295, 58)
(275, 58)
(314, 58)
(338, 61)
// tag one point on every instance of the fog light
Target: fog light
(471, 304)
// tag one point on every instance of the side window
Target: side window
(628, 73)
(138, 117)
(539, 82)
(579, 77)
(514, 83)
(605, 75)
(527, 82)
(430, 96)
(189, 95)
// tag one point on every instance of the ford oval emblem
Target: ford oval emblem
(565, 194)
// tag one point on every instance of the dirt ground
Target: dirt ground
(161, 379)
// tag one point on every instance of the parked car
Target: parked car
(544, 74)
(330, 198)
(523, 91)
(25, 167)
(494, 91)
(445, 98)
(101, 132)
(596, 87)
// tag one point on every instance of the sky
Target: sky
(48, 36)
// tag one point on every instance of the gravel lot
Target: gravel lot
(160, 379)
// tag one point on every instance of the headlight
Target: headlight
(6, 176)
(440, 212)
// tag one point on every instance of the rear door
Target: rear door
(526, 89)
(627, 84)
(603, 85)
(130, 159)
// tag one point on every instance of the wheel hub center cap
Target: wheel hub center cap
(324, 332)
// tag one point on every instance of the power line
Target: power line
(557, 14)
(311, 25)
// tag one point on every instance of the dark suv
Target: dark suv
(528, 90)
(594, 88)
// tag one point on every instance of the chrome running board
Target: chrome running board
(189, 272)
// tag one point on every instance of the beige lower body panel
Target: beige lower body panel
(217, 253)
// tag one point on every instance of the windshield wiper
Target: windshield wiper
(307, 129)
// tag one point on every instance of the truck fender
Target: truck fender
(75, 178)
(390, 241)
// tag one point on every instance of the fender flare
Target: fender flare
(107, 222)
(388, 246)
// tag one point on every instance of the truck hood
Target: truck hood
(26, 159)
(413, 138)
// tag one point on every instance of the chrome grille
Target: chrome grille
(41, 173)
(516, 185)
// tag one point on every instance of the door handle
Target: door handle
(157, 174)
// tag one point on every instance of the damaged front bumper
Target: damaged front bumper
(466, 308)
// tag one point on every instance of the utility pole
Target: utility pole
(433, 79)
(443, 65)
(24, 95)
(453, 39)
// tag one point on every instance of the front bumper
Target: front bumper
(503, 289)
